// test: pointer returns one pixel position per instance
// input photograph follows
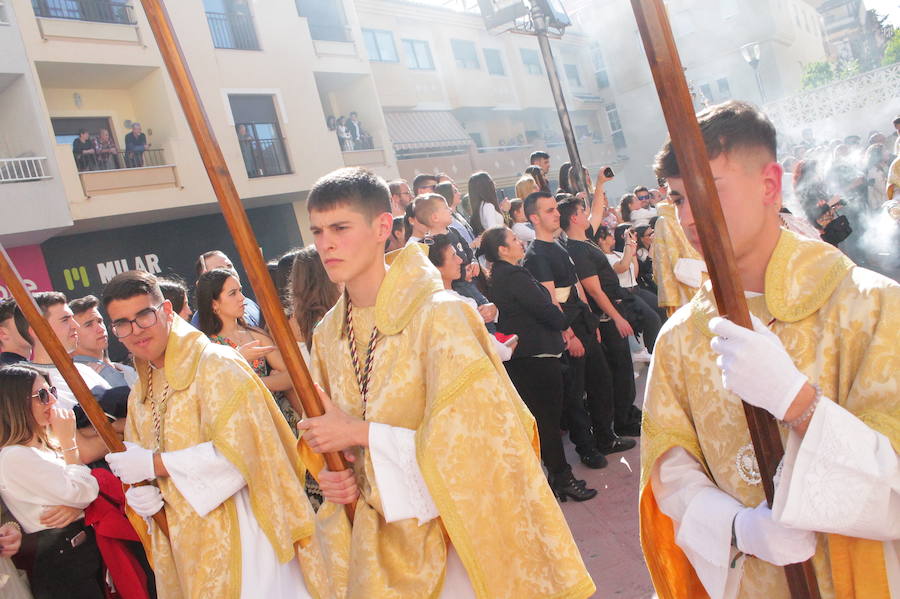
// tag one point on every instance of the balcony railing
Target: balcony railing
(265, 157)
(232, 30)
(99, 11)
(120, 160)
(14, 170)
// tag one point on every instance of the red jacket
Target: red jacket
(112, 529)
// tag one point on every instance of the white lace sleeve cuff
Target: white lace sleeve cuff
(404, 493)
(702, 514)
(203, 476)
(841, 477)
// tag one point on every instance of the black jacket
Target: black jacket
(527, 311)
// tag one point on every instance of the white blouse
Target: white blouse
(33, 479)
(627, 278)
(490, 216)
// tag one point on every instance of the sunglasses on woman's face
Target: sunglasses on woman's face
(43, 395)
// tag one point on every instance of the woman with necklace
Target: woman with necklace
(220, 306)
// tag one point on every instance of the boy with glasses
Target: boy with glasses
(203, 426)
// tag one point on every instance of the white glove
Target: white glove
(145, 500)
(755, 365)
(757, 534)
(132, 465)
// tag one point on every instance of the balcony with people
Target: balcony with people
(258, 129)
(112, 136)
(106, 20)
(358, 127)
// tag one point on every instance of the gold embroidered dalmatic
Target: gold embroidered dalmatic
(215, 396)
(434, 372)
(669, 245)
(839, 323)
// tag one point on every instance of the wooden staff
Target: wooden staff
(236, 217)
(693, 162)
(63, 362)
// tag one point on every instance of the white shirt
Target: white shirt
(627, 278)
(641, 217)
(32, 479)
(490, 217)
(523, 232)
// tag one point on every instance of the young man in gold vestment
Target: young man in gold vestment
(204, 427)
(822, 359)
(450, 497)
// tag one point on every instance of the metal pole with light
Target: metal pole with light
(751, 53)
(543, 16)
(540, 14)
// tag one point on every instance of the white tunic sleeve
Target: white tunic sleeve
(404, 493)
(702, 514)
(203, 476)
(841, 477)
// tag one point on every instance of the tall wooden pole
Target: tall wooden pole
(64, 363)
(236, 216)
(693, 163)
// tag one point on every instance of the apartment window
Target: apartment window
(3, 18)
(600, 73)
(325, 18)
(100, 11)
(231, 24)
(532, 61)
(465, 54)
(615, 125)
(706, 90)
(493, 61)
(418, 55)
(724, 88)
(380, 45)
(572, 74)
(259, 135)
(796, 14)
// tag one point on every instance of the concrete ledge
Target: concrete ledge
(72, 29)
(128, 179)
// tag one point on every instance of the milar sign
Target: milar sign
(147, 262)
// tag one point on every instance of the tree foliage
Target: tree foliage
(892, 51)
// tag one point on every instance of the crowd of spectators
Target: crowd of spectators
(562, 280)
(100, 153)
(350, 133)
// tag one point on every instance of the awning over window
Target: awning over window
(423, 130)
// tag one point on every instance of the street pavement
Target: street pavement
(606, 527)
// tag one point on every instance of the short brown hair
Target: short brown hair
(129, 284)
(358, 188)
(83, 304)
(725, 127)
(45, 300)
(425, 205)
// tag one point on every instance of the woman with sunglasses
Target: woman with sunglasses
(40, 467)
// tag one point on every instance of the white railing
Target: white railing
(14, 170)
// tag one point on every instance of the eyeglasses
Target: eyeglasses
(642, 198)
(145, 319)
(43, 395)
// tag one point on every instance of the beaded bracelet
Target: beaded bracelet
(14, 524)
(807, 413)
